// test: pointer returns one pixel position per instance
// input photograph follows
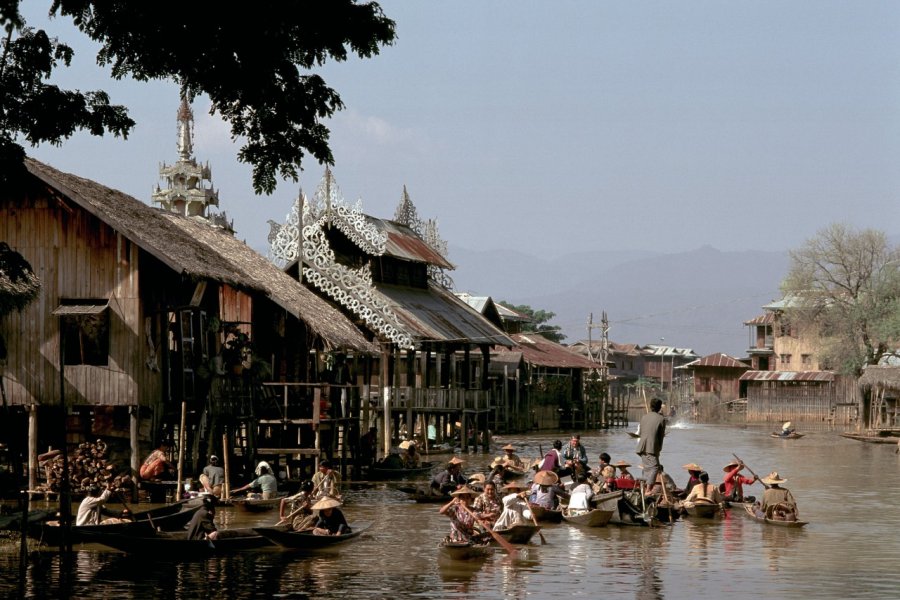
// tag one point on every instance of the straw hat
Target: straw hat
(476, 478)
(513, 486)
(546, 478)
(509, 448)
(773, 478)
(455, 461)
(622, 464)
(404, 444)
(692, 467)
(608, 471)
(730, 466)
(464, 491)
(326, 502)
(787, 425)
(500, 460)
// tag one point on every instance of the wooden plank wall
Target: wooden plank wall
(76, 256)
(773, 401)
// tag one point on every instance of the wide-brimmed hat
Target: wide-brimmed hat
(730, 465)
(546, 478)
(500, 460)
(514, 485)
(404, 444)
(509, 447)
(692, 467)
(476, 478)
(326, 502)
(455, 461)
(773, 478)
(787, 425)
(464, 491)
(622, 464)
(608, 471)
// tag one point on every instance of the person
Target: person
(623, 470)
(331, 519)
(367, 447)
(462, 520)
(787, 429)
(735, 482)
(777, 503)
(704, 492)
(653, 429)
(326, 481)
(157, 463)
(694, 471)
(607, 481)
(605, 461)
(431, 434)
(300, 515)
(449, 479)
(512, 460)
(487, 506)
(411, 457)
(552, 461)
(575, 456)
(544, 490)
(202, 525)
(213, 477)
(90, 509)
(580, 496)
(515, 507)
(266, 482)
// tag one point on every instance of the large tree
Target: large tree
(538, 321)
(844, 287)
(253, 61)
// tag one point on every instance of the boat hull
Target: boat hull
(177, 545)
(594, 518)
(305, 540)
(545, 515)
(793, 436)
(703, 511)
(518, 534)
(465, 550)
(788, 524)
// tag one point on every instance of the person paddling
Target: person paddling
(735, 482)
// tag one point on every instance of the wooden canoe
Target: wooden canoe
(792, 524)
(382, 472)
(872, 438)
(792, 436)
(465, 550)
(594, 518)
(518, 534)
(257, 505)
(50, 533)
(13, 522)
(168, 544)
(545, 515)
(306, 540)
(703, 510)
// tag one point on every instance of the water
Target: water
(846, 489)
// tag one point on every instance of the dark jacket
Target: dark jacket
(653, 429)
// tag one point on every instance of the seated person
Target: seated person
(300, 514)
(202, 525)
(326, 481)
(89, 511)
(157, 463)
(515, 507)
(331, 520)
(488, 505)
(552, 461)
(623, 470)
(580, 496)
(704, 492)
(544, 491)
(266, 482)
(777, 502)
(213, 477)
(449, 479)
(411, 458)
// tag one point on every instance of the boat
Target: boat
(880, 437)
(703, 510)
(439, 449)
(176, 544)
(518, 534)
(13, 522)
(379, 471)
(545, 515)
(511, 473)
(50, 532)
(596, 517)
(465, 550)
(793, 524)
(257, 505)
(425, 495)
(791, 436)
(627, 507)
(307, 540)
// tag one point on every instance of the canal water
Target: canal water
(848, 490)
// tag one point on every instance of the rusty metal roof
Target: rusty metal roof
(538, 350)
(717, 360)
(766, 319)
(435, 314)
(819, 376)
(403, 243)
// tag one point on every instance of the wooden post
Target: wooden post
(181, 442)
(386, 397)
(317, 407)
(134, 414)
(226, 452)
(33, 466)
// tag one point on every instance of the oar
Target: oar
(665, 494)
(751, 470)
(128, 508)
(500, 539)
(534, 520)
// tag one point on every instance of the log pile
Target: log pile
(88, 466)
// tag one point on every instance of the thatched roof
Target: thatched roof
(200, 251)
(883, 377)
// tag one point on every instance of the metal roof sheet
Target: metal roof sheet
(820, 376)
(718, 360)
(405, 244)
(538, 350)
(766, 319)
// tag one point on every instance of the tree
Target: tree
(844, 287)
(253, 62)
(537, 321)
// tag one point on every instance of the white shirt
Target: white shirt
(513, 513)
(580, 498)
(89, 509)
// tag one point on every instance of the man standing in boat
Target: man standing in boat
(653, 430)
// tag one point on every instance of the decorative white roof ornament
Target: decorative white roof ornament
(406, 214)
(186, 191)
(434, 239)
(284, 240)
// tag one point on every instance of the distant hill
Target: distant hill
(697, 299)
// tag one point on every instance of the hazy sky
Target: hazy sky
(569, 126)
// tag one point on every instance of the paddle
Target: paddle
(534, 520)
(128, 508)
(510, 549)
(665, 493)
(751, 470)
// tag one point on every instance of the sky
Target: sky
(558, 127)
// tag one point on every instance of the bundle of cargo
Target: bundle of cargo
(88, 467)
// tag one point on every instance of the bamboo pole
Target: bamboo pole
(226, 485)
(181, 442)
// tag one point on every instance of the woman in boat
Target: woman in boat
(580, 496)
(157, 463)
(487, 505)
(777, 502)
(203, 525)
(515, 507)
(411, 458)
(623, 470)
(694, 471)
(266, 482)
(544, 490)
(704, 492)
(552, 461)
(300, 515)
(735, 482)
(450, 478)
(462, 521)
(331, 519)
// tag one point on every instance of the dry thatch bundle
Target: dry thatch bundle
(19, 286)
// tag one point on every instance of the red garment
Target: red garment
(734, 479)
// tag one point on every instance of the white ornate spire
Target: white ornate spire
(185, 130)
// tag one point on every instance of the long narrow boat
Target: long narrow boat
(50, 532)
(465, 550)
(545, 515)
(791, 436)
(306, 540)
(627, 508)
(14, 521)
(518, 534)
(160, 511)
(379, 471)
(596, 517)
(257, 505)
(703, 510)
(426, 495)
(872, 438)
(167, 544)
(752, 514)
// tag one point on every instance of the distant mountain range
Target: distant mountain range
(697, 299)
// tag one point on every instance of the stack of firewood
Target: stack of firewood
(88, 466)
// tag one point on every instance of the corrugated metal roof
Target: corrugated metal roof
(718, 360)
(667, 351)
(766, 319)
(435, 314)
(538, 350)
(821, 376)
(510, 359)
(405, 244)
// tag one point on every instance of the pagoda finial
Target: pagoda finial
(185, 123)
(406, 213)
